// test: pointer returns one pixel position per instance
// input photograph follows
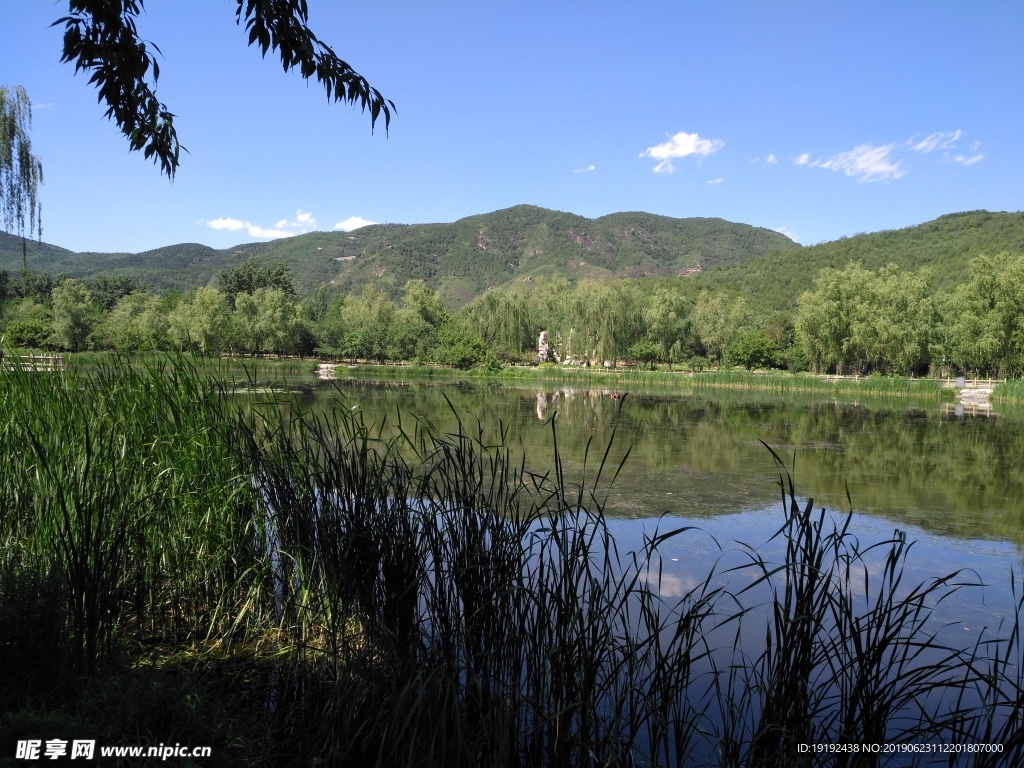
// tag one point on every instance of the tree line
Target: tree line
(856, 320)
(252, 310)
(853, 320)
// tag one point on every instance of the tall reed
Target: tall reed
(417, 597)
(1009, 392)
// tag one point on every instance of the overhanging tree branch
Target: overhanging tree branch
(281, 26)
(101, 36)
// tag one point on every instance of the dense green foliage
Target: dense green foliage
(1009, 392)
(463, 259)
(896, 318)
(251, 275)
(172, 561)
(888, 320)
(256, 314)
(853, 321)
(942, 247)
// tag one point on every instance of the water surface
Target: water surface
(696, 456)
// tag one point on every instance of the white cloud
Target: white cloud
(255, 230)
(866, 162)
(667, 584)
(946, 140)
(791, 235)
(680, 145)
(589, 168)
(230, 224)
(772, 159)
(937, 140)
(964, 160)
(719, 180)
(353, 222)
(303, 222)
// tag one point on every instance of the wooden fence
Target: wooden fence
(34, 363)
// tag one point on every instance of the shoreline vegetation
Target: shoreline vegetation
(776, 381)
(880, 323)
(1009, 392)
(292, 588)
(940, 390)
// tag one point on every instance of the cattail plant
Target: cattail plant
(410, 596)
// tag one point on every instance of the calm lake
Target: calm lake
(954, 484)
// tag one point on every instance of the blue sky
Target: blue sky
(818, 119)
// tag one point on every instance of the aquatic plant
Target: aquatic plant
(418, 597)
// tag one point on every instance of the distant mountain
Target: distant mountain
(174, 267)
(36, 253)
(943, 246)
(461, 259)
(464, 258)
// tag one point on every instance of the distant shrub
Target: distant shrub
(754, 350)
(461, 350)
(28, 334)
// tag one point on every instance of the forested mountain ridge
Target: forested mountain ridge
(460, 259)
(943, 246)
(464, 294)
(178, 267)
(464, 258)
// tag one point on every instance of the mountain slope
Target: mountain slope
(42, 257)
(464, 258)
(943, 246)
(461, 259)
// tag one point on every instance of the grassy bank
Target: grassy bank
(244, 368)
(803, 383)
(1009, 392)
(293, 589)
(873, 386)
(270, 368)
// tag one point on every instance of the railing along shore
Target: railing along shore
(37, 363)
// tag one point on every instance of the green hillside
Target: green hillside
(42, 257)
(175, 267)
(461, 259)
(464, 258)
(943, 246)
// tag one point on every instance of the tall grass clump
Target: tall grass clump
(485, 616)
(873, 385)
(895, 387)
(1009, 392)
(351, 594)
(124, 481)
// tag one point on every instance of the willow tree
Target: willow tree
(826, 315)
(717, 320)
(21, 173)
(503, 320)
(985, 316)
